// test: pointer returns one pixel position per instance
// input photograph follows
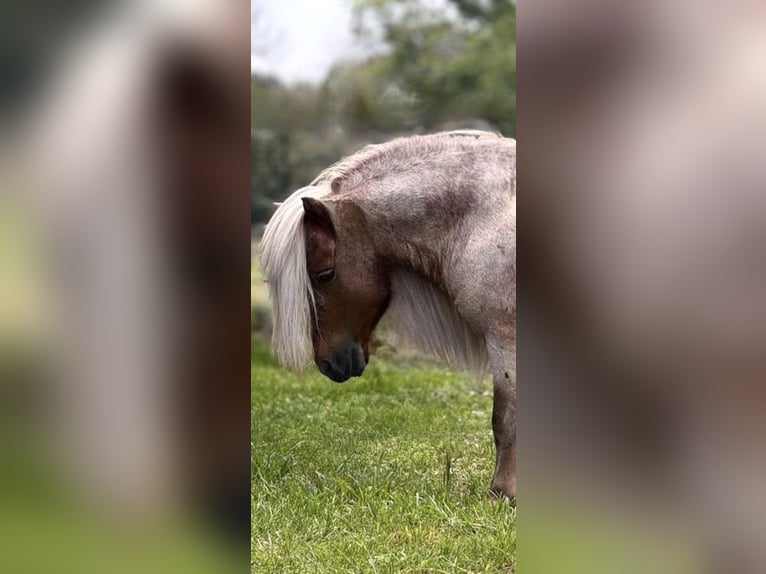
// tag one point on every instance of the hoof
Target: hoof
(503, 493)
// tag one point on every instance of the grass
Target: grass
(387, 473)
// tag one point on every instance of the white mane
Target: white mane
(283, 261)
(421, 315)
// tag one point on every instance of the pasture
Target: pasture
(385, 473)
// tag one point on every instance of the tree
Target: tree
(454, 63)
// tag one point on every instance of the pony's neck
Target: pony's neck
(418, 231)
(418, 237)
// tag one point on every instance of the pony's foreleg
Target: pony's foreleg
(504, 429)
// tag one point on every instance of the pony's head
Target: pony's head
(327, 286)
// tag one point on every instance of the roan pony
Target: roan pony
(421, 229)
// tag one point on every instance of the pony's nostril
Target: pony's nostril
(325, 366)
(345, 363)
(332, 371)
(348, 364)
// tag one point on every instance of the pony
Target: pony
(421, 230)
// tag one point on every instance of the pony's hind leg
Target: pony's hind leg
(504, 429)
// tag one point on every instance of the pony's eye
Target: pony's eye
(325, 277)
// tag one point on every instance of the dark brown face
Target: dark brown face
(350, 286)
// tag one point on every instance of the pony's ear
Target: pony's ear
(316, 212)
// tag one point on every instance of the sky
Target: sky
(299, 40)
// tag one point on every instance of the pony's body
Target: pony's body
(421, 229)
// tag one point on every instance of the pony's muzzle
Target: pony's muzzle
(345, 362)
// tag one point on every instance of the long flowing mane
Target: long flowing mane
(283, 262)
(422, 316)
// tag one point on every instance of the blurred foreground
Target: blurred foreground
(642, 330)
(124, 252)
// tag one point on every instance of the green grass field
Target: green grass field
(386, 473)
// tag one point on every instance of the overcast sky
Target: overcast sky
(299, 40)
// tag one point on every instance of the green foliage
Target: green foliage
(456, 67)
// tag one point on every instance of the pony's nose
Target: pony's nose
(344, 364)
(330, 370)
